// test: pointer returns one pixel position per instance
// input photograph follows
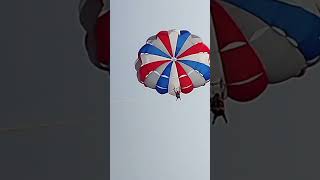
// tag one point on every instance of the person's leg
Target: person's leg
(214, 119)
(225, 118)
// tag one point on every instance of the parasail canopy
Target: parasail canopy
(173, 60)
(261, 42)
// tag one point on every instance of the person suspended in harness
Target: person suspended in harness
(177, 92)
(217, 105)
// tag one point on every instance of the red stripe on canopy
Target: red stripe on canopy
(195, 49)
(185, 82)
(241, 64)
(147, 68)
(164, 37)
(103, 38)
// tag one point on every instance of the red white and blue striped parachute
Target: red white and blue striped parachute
(95, 19)
(173, 60)
(260, 42)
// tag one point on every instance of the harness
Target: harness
(217, 105)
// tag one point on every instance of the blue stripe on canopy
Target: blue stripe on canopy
(163, 82)
(150, 49)
(202, 68)
(181, 40)
(299, 24)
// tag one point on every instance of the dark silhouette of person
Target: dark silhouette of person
(217, 104)
(177, 94)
